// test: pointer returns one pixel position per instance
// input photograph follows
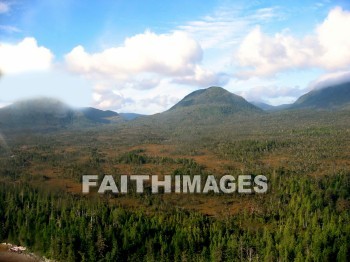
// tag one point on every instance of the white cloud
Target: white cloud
(267, 93)
(327, 48)
(203, 77)
(264, 55)
(110, 100)
(167, 54)
(334, 38)
(164, 96)
(24, 56)
(4, 7)
(162, 101)
(143, 101)
(145, 58)
(330, 79)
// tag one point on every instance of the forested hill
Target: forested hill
(47, 114)
(99, 116)
(205, 107)
(214, 99)
(43, 113)
(330, 97)
(208, 106)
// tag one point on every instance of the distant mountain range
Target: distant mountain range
(51, 114)
(99, 116)
(267, 107)
(333, 97)
(213, 104)
(42, 113)
(130, 116)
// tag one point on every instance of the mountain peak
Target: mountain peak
(216, 98)
(216, 89)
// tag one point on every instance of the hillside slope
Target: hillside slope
(47, 114)
(331, 97)
(214, 100)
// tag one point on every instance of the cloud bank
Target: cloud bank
(173, 55)
(327, 48)
(330, 79)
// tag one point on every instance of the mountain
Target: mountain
(99, 116)
(47, 114)
(210, 107)
(331, 97)
(130, 116)
(43, 113)
(267, 107)
(214, 101)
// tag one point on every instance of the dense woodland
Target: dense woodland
(304, 220)
(304, 216)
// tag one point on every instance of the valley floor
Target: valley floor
(302, 217)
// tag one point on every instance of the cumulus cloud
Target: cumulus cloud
(203, 78)
(143, 59)
(153, 102)
(24, 56)
(173, 54)
(110, 100)
(143, 101)
(163, 101)
(266, 93)
(327, 48)
(334, 38)
(265, 55)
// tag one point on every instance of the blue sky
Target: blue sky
(144, 56)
